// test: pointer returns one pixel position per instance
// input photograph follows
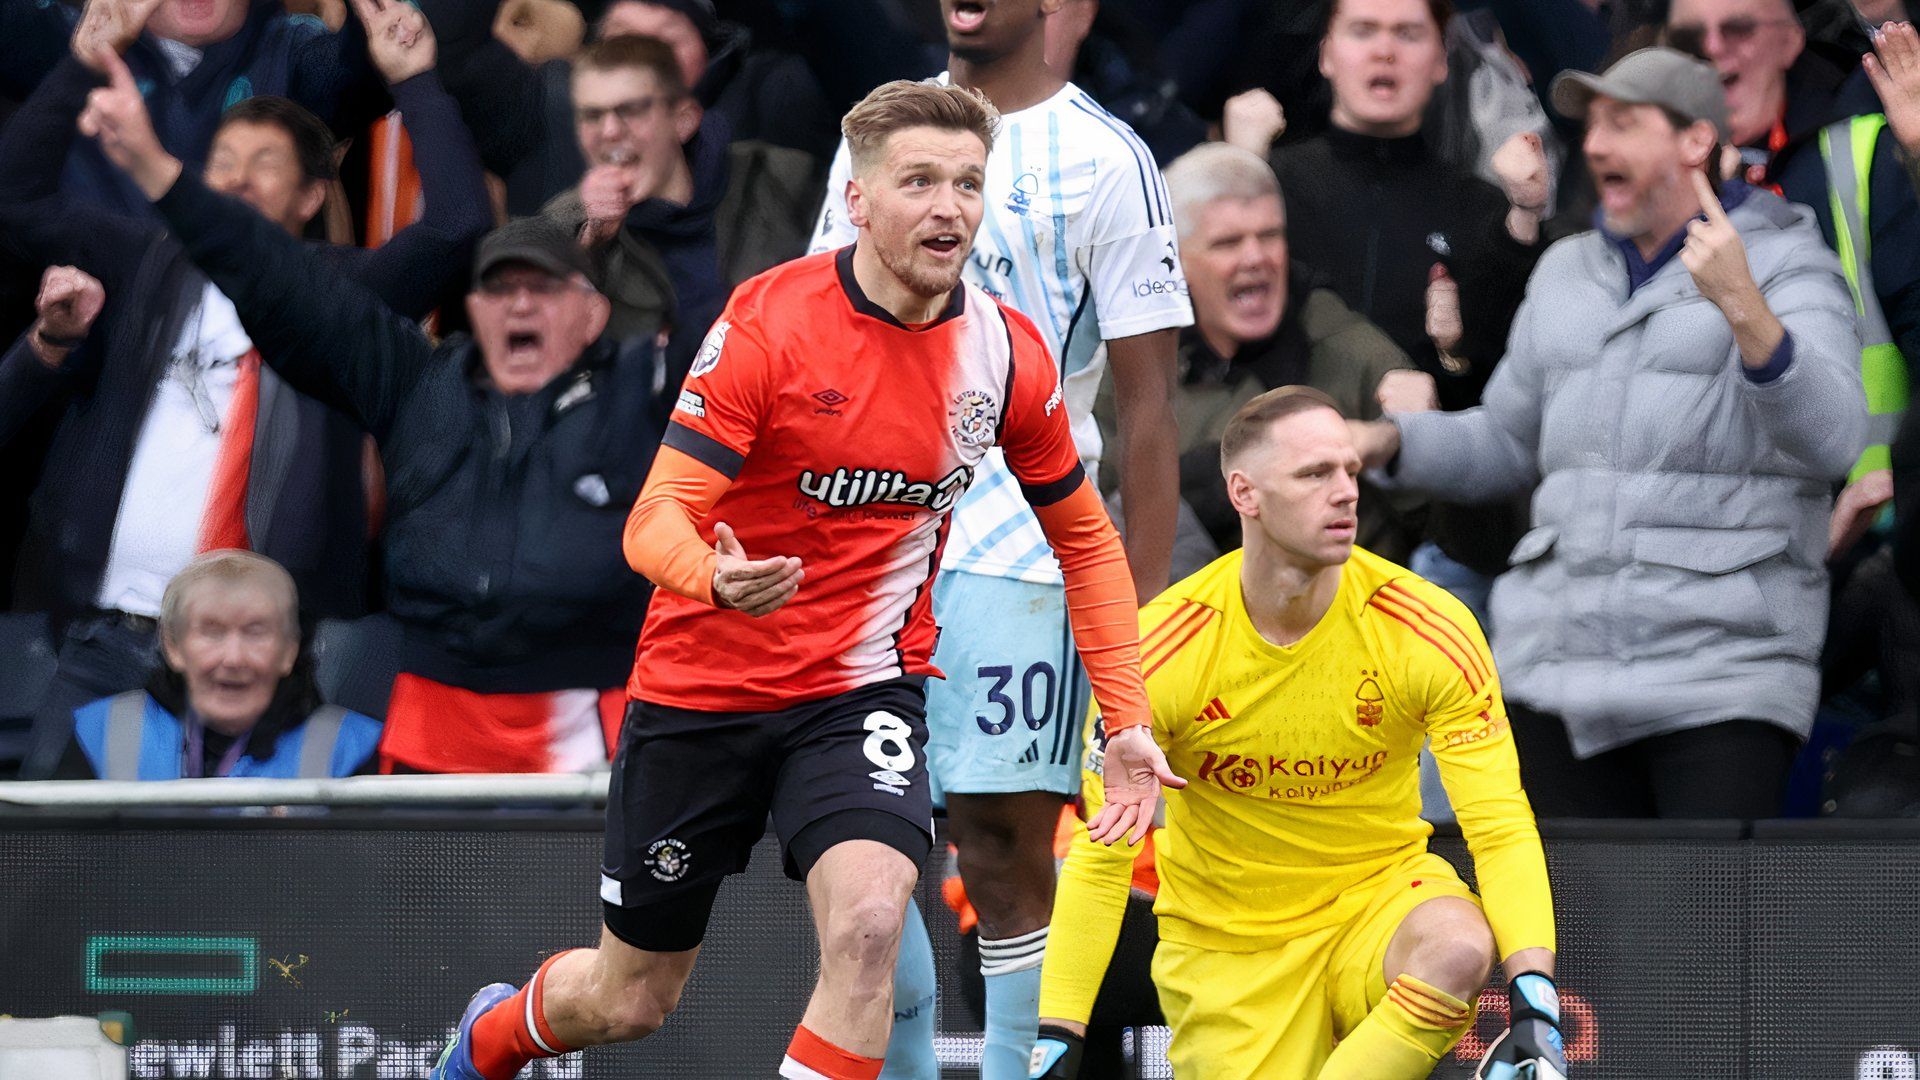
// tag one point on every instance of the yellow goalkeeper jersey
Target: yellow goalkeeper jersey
(1302, 765)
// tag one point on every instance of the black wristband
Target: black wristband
(1068, 1065)
(1519, 1008)
(69, 344)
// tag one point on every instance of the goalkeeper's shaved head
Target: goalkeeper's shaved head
(1252, 425)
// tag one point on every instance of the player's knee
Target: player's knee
(1458, 960)
(862, 935)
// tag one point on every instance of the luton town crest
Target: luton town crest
(972, 416)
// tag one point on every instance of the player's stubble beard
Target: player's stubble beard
(906, 265)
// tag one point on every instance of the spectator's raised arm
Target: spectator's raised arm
(42, 221)
(332, 75)
(1795, 337)
(327, 335)
(502, 98)
(414, 269)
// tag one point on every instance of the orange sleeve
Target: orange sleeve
(1100, 602)
(663, 538)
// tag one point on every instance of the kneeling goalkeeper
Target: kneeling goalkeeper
(1305, 929)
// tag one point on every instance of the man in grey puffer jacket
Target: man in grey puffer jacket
(1686, 420)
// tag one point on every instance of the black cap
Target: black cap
(535, 241)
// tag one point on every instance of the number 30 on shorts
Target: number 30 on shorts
(1036, 697)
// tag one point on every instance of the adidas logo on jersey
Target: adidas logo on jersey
(1214, 711)
(845, 487)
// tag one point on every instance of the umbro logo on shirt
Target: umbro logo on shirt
(830, 401)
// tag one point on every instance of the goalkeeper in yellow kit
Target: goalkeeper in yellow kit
(1305, 930)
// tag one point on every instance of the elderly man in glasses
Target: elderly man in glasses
(1809, 125)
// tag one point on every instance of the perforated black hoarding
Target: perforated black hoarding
(336, 947)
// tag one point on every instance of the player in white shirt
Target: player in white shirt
(1078, 236)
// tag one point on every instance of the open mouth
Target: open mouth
(1613, 187)
(620, 155)
(944, 245)
(1250, 297)
(523, 344)
(968, 15)
(1383, 86)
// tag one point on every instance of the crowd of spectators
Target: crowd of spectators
(396, 298)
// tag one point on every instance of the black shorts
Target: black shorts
(691, 792)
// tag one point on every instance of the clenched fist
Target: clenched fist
(607, 192)
(1521, 165)
(1407, 391)
(69, 301)
(1252, 120)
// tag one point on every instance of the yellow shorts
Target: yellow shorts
(1276, 1014)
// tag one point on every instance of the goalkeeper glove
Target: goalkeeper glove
(1056, 1054)
(1532, 1047)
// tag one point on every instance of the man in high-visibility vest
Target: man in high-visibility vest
(1810, 128)
(1894, 67)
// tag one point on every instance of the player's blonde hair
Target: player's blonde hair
(903, 104)
(1250, 425)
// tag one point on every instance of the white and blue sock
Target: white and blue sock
(910, 1054)
(1012, 970)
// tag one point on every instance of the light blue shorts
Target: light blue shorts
(1008, 716)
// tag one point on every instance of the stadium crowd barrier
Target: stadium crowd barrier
(287, 940)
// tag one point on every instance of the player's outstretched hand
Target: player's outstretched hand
(1134, 771)
(755, 586)
(1531, 1048)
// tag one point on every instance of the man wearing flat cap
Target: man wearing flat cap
(1683, 385)
(511, 456)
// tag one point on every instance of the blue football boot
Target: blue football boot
(456, 1061)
